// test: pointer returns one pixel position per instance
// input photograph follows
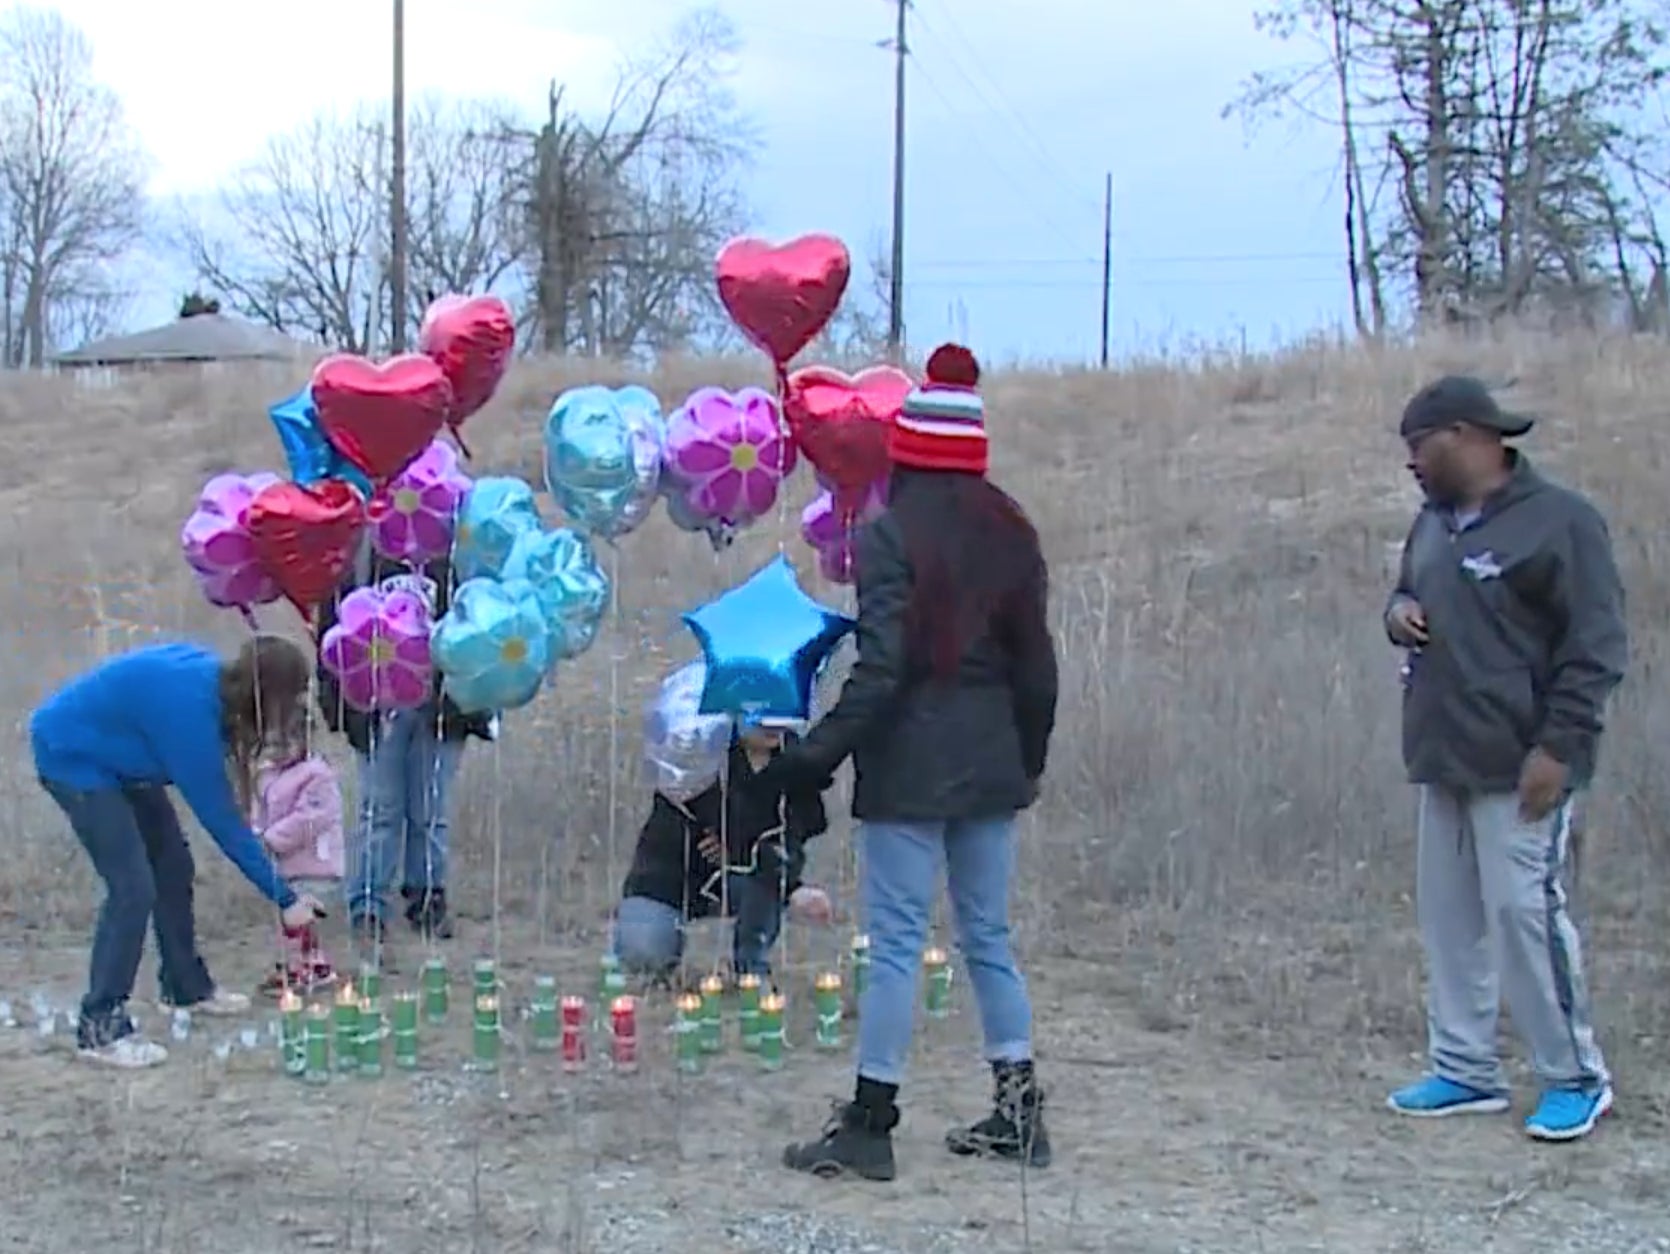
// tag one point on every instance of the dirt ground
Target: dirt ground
(1213, 909)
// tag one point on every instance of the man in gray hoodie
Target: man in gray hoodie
(1510, 600)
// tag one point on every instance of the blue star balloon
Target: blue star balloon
(763, 644)
(572, 591)
(497, 509)
(491, 647)
(311, 455)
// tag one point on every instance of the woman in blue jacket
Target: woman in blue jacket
(107, 745)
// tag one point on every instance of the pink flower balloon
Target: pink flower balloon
(414, 514)
(729, 453)
(379, 650)
(830, 533)
(218, 546)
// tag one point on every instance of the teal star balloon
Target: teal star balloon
(763, 643)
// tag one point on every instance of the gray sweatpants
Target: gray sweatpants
(1493, 919)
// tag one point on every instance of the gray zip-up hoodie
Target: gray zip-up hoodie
(1525, 613)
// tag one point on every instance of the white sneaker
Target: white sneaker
(131, 1053)
(219, 1004)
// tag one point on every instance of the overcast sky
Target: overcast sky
(1013, 124)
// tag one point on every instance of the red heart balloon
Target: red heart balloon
(841, 422)
(306, 537)
(781, 296)
(381, 416)
(471, 338)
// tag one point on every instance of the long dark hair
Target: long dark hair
(263, 691)
(976, 562)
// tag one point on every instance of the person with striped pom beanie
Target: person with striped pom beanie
(943, 423)
(947, 716)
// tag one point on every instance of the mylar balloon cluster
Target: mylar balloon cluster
(360, 441)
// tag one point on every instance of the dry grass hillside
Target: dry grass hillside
(1215, 904)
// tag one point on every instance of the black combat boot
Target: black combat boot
(1015, 1128)
(426, 911)
(858, 1139)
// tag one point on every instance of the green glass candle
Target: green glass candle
(487, 1037)
(316, 1046)
(371, 1039)
(748, 1010)
(608, 977)
(371, 981)
(435, 990)
(771, 1031)
(826, 1000)
(687, 1026)
(291, 1033)
(713, 1014)
(345, 1025)
(403, 1010)
(860, 964)
(936, 963)
(542, 1014)
(485, 977)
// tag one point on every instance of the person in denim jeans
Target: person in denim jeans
(408, 760)
(682, 870)
(107, 746)
(947, 715)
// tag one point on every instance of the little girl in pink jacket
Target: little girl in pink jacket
(298, 814)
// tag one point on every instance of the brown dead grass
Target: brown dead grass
(1216, 888)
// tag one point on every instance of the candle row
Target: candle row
(350, 1036)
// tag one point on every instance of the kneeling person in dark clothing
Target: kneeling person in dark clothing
(732, 850)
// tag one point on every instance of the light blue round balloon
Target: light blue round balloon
(492, 647)
(573, 591)
(603, 457)
(496, 510)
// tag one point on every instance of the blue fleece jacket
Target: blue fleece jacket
(153, 716)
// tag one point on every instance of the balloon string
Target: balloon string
(616, 632)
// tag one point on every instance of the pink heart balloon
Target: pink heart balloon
(729, 452)
(378, 650)
(219, 548)
(413, 517)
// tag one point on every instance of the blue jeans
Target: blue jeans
(899, 876)
(133, 837)
(649, 934)
(405, 783)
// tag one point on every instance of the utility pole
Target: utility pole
(896, 302)
(1107, 266)
(397, 188)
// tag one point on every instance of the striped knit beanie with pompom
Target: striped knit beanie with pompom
(943, 423)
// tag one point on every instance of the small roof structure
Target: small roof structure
(202, 337)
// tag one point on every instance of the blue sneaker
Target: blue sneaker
(1568, 1114)
(1435, 1097)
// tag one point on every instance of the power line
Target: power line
(1028, 135)
(1093, 284)
(1180, 259)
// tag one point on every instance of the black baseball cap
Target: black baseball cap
(1459, 400)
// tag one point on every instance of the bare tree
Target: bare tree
(72, 181)
(627, 211)
(1508, 133)
(299, 238)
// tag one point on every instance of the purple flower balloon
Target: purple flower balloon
(414, 514)
(218, 546)
(729, 452)
(379, 650)
(823, 526)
